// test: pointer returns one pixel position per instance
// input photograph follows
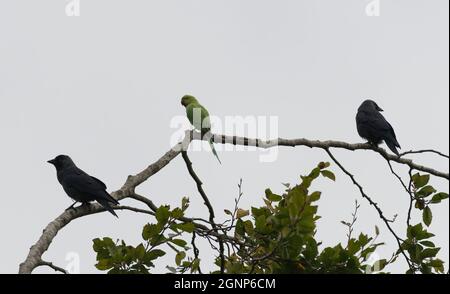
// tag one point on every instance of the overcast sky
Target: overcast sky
(104, 87)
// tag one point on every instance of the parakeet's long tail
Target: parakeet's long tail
(214, 150)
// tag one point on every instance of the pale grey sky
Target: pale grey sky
(104, 86)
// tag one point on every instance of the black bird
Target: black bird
(373, 127)
(80, 186)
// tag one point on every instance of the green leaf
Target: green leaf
(239, 230)
(427, 244)
(154, 254)
(377, 230)
(426, 191)
(437, 198)
(353, 246)
(98, 244)
(315, 196)
(104, 264)
(413, 231)
(306, 182)
(256, 212)
(162, 214)
(139, 252)
(438, 265)
(429, 252)
(260, 224)
(427, 216)
(424, 235)
(150, 230)
(380, 264)
(240, 213)
(185, 203)
(171, 269)
(363, 239)
(328, 174)
(227, 212)
(179, 242)
(179, 257)
(186, 227)
(420, 180)
(248, 226)
(324, 165)
(272, 197)
(195, 265)
(177, 213)
(314, 173)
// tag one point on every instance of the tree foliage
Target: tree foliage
(277, 237)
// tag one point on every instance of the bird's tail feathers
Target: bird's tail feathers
(112, 199)
(393, 146)
(106, 205)
(214, 150)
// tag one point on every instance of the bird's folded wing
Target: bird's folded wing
(84, 183)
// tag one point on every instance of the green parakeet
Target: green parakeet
(199, 118)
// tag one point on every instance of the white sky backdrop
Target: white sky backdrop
(103, 88)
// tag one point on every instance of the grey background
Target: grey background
(103, 87)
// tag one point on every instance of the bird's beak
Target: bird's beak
(379, 109)
(52, 161)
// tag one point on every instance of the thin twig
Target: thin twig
(196, 251)
(51, 265)
(351, 225)
(410, 187)
(377, 208)
(406, 188)
(424, 151)
(208, 205)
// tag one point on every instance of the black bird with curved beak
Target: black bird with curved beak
(80, 186)
(373, 127)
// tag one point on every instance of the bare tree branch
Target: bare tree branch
(196, 251)
(208, 205)
(424, 151)
(51, 265)
(378, 209)
(410, 187)
(265, 144)
(407, 189)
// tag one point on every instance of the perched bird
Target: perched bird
(199, 118)
(80, 186)
(373, 127)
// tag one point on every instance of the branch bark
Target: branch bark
(54, 267)
(34, 257)
(265, 144)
